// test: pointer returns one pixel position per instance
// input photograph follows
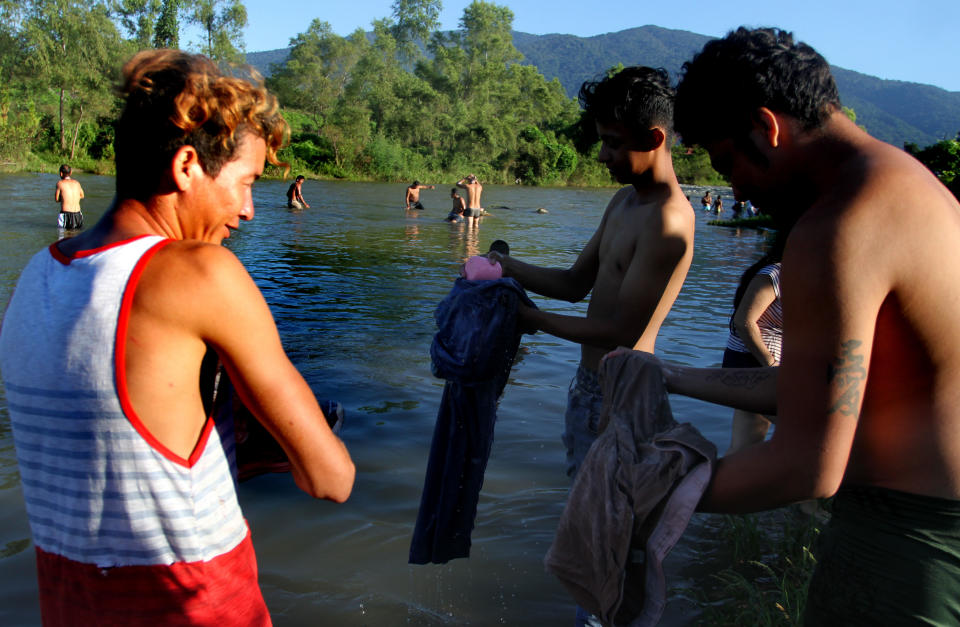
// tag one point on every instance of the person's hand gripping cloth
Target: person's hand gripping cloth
(632, 498)
(479, 333)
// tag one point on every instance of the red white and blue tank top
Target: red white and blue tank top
(125, 530)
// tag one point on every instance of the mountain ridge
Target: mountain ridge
(891, 110)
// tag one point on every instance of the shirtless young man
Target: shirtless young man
(295, 194)
(636, 262)
(69, 193)
(128, 488)
(412, 198)
(868, 390)
(474, 209)
(458, 208)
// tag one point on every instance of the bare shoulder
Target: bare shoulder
(198, 260)
(678, 215)
(192, 282)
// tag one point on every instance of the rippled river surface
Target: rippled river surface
(353, 283)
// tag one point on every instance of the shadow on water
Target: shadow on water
(353, 283)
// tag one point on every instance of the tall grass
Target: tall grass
(770, 562)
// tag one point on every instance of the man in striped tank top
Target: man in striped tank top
(128, 482)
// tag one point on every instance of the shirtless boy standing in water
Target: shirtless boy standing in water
(474, 209)
(69, 193)
(636, 262)
(411, 199)
(868, 390)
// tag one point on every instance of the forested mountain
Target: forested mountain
(894, 111)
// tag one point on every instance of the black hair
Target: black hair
(300, 177)
(637, 97)
(500, 246)
(65, 170)
(764, 67)
(415, 184)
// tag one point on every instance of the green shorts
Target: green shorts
(887, 558)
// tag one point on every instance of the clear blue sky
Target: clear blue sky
(917, 41)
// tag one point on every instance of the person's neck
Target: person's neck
(826, 153)
(657, 181)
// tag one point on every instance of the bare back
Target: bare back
(473, 194)
(882, 256)
(643, 251)
(69, 193)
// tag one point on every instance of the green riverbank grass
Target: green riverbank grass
(770, 562)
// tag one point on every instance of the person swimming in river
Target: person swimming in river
(459, 206)
(295, 196)
(412, 198)
(707, 201)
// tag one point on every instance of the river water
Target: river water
(353, 283)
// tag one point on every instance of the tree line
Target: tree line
(402, 101)
(60, 61)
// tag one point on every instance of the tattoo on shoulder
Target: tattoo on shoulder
(847, 373)
(740, 378)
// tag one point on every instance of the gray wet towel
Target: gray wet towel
(632, 498)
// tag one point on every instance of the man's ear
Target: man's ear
(652, 139)
(768, 126)
(185, 168)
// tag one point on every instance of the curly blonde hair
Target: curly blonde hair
(175, 99)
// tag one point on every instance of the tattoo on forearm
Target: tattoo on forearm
(847, 374)
(740, 378)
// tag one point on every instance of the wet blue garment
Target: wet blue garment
(473, 350)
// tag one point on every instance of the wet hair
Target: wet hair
(764, 68)
(415, 184)
(500, 246)
(65, 170)
(174, 99)
(637, 97)
(453, 191)
(301, 177)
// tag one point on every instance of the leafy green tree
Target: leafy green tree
(943, 158)
(139, 19)
(19, 118)
(72, 48)
(167, 33)
(692, 165)
(320, 66)
(222, 23)
(486, 97)
(414, 20)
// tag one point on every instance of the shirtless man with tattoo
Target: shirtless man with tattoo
(868, 390)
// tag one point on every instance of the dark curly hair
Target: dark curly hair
(760, 68)
(174, 99)
(637, 97)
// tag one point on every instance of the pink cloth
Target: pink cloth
(480, 269)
